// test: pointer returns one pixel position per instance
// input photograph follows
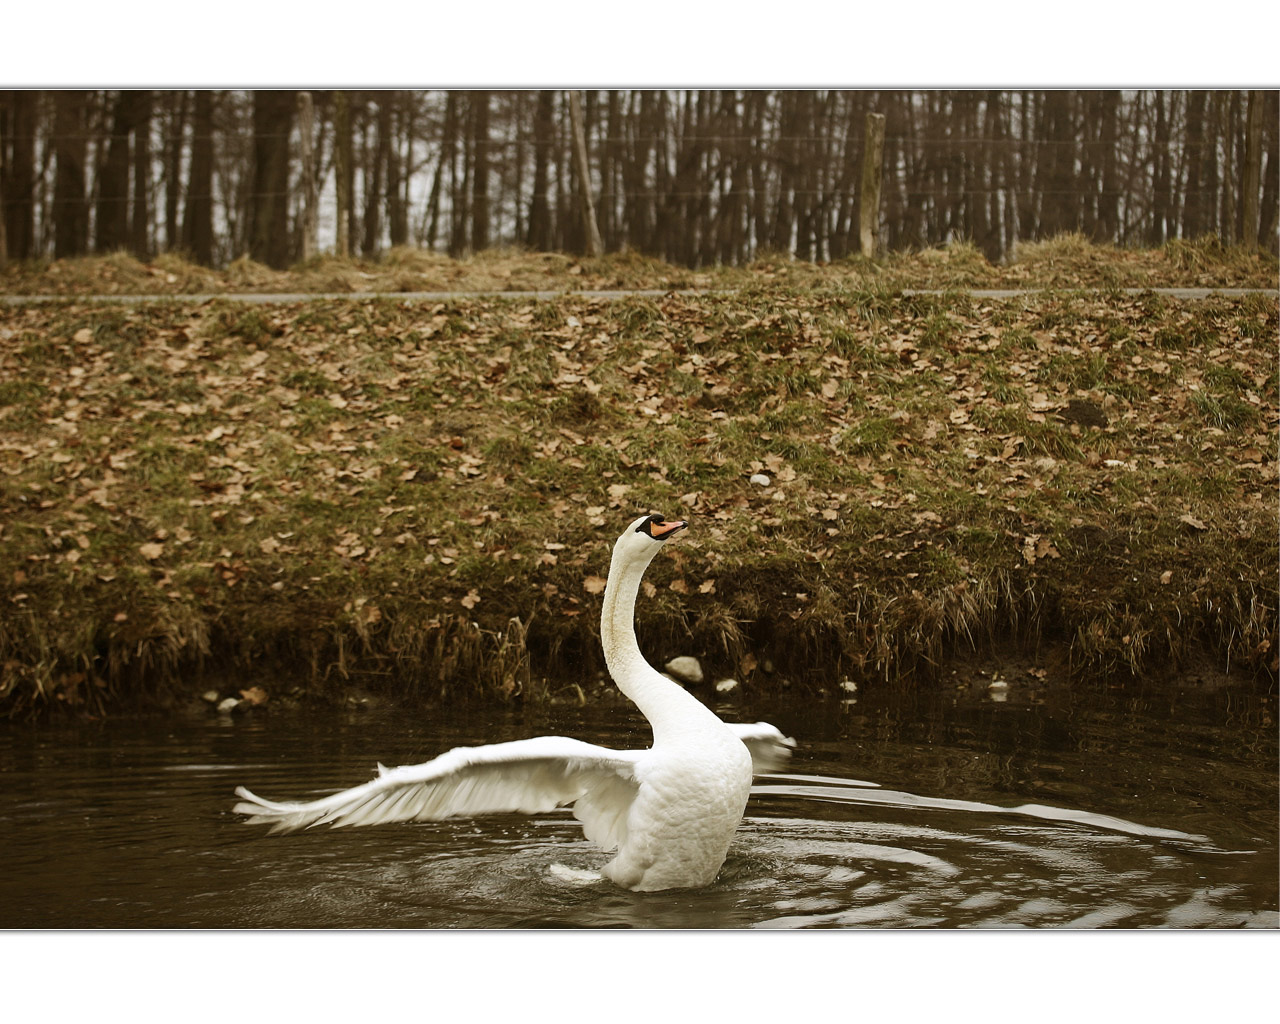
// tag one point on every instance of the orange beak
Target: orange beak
(666, 528)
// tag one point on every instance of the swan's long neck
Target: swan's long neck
(669, 709)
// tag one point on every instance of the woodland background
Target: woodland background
(694, 177)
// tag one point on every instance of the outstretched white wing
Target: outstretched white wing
(529, 776)
(770, 750)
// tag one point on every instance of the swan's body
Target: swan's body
(669, 811)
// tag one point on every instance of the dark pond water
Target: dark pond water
(1094, 810)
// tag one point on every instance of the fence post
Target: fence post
(590, 229)
(1252, 170)
(872, 173)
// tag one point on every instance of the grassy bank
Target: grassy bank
(1068, 261)
(421, 498)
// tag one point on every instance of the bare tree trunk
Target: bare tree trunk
(806, 179)
(610, 171)
(397, 201)
(521, 142)
(893, 196)
(994, 160)
(915, 167)
(1009, 184)
(1228, 113)
(872, 170)
(17, 168)
(759, 208)
(140, 222)
(306, 156)
(698, 214)
(641, 200)
(1236, 178)
(784, 213)
(1160, 174)
(936, 125)
(375, 182)
(566, 230)
(111, 225)
(480, 175)
(197, 218)
(731, 226)
(70, 208)
(1193, 207)
(342, 170)
(1177, 159)
(459, 190)
(591, 231)
(840, 241)
(1270, 213)
(1252, 170)
(1053, 171)
(269, 208)
(1027, 218)
(539, 235)
(443, 164)
(177, 127)
(1210, 172)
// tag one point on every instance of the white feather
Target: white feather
(529, 776)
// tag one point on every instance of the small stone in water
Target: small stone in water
(228, 705)
(726, 685)
(760, 479)
(209, 696)
(685, 668)
(997, 684)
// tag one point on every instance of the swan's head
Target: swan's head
(642, 539)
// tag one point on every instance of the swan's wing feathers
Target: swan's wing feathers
(604, 808)
(770, 750)
(530, 776)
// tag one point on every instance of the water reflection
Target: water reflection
(904, 810)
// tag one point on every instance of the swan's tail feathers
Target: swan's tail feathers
(574, 876)
(770, 750)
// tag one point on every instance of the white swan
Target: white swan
(669, 811)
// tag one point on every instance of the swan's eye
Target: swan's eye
(647, 526)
